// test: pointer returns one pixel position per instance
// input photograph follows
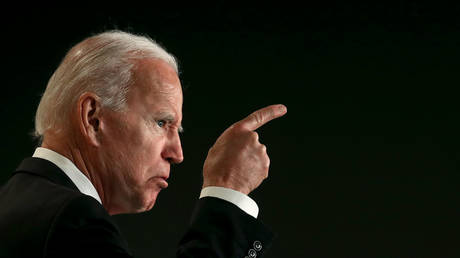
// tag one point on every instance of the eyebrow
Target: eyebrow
(168, 117)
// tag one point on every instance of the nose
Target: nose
(173, 150)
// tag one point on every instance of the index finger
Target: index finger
(262, 116)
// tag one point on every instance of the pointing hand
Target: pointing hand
(238, 160)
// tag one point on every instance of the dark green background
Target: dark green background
(365, 163)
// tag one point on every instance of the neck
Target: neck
(66, 145)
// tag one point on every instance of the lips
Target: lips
(161, 179)
(162, 182)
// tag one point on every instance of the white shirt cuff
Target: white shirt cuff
(241, 200)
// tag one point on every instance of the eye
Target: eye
(161, 123)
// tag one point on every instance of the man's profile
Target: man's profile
(109, 123)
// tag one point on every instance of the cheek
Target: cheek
(151, 150)
(136, 138)
(138, 146)
(145, 150)
(126, 146)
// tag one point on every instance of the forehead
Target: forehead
(155, 74)
(156, 86)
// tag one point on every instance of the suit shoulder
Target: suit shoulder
(31, 204)
(84, 222)
(80, 212)
(82, 205)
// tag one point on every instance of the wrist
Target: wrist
(243, 190)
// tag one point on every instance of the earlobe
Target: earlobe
(89, 110)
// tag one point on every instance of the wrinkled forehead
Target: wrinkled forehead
(155, 88)
(153, 74)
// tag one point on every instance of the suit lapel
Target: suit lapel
(46, 169)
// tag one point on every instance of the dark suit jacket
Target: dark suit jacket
(42, 214)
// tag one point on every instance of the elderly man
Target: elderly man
(109, 122)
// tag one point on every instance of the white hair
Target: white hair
(101, 64)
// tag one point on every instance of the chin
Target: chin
(147, 202)
(137, 203)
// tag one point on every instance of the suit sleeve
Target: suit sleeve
(220, 229)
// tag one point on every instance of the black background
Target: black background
(365, 163)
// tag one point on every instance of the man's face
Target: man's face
(141, 142)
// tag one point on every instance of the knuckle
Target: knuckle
(263, 147)
(236, 126)
(257, 117)
(265, 175)
(254, 136)
(239, 126)
(267, 163)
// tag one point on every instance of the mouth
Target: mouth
(162, 182)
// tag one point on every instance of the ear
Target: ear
(89, 117)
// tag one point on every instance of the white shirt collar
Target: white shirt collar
(78, 178)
